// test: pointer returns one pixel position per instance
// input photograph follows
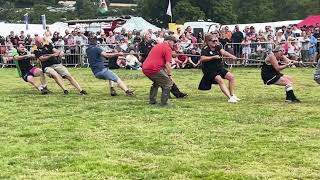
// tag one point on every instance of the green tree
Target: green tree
(185, 11)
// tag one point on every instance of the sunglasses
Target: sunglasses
(212, 40)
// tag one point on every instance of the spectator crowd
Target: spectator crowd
(300, 44)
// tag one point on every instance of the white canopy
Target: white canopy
(261, 26)
(33, 28)
(137, 23)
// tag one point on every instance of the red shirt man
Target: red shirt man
(157, 67)
(157, 58)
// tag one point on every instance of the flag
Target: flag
(26, 19)
(103, 7)
(43, 20)
(169, 9)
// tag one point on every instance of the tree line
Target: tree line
(221, 11)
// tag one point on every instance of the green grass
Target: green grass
(200, 137)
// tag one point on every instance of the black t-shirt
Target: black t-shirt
(195, 59)
(24, 64)
(213, 65)
(145, 47)
(237, 37)
(224, 41)
(47, 49)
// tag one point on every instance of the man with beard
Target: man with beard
(51, 65)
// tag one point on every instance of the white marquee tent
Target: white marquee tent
(33, 28)
(137, 23)
(261, 26)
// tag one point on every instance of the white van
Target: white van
(202, 26)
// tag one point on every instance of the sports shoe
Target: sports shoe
(113, 92)
(232, 100)
(83, 92)
(129, 93)
(44, 91)
(235, 97)
(65, 92)
(295, 100)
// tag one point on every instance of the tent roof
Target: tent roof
(137, 23)
(310, 20)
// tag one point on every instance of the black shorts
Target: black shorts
(25, 76)
(209, 78)
(270, 78)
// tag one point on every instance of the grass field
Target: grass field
(200, 137)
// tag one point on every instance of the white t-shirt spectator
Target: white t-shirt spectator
(131, 60)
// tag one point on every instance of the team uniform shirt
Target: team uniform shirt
(46, 49)
(157, 58)
(211, 68)
(23, 66)
(269, 74)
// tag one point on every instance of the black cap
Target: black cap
(170, 38)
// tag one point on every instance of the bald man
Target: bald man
(51, 65)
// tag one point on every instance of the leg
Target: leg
(53, 74)
(153, 93)
(230, 77)
(30, 79)
(38, 72)
(222, 86)
(163, 80)
(285, 81)
(73, 82)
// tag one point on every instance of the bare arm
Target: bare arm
(168, 69)
(18, 58)
(287, 60)
(273, 61)
(108, 55)
(227, 54)
(209, 58)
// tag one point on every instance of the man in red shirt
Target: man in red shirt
(157, 67)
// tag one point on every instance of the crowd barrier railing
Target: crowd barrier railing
(251, 54)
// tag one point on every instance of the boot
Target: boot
(294, 98)
(291, 97)
(153, 94)
(176, 92)
(164, 97)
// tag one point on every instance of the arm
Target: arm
(287, 60)
(273, 61)
(18, 58)
(227, 54)
(108, 55)
(57, 52)
(46, 57)
(168, 69)
(209, 58)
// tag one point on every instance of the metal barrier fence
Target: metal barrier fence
(248, 54)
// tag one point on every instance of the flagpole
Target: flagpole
(169, 11)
